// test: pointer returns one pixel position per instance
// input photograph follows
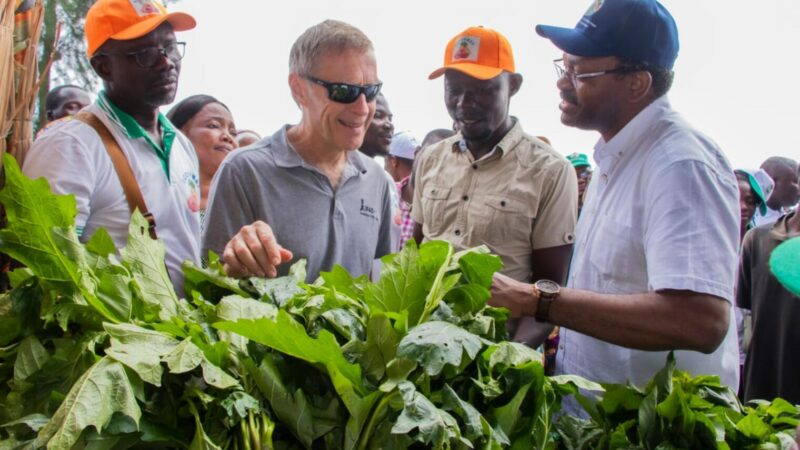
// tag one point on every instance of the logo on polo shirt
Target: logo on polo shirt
(367, 211)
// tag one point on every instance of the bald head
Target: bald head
(784, 172)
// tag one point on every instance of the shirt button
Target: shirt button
(502, 203)
(466, 197)
(475, 166)
(458, 232)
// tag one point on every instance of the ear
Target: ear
(102, 66)
(514, 83)
(297, 87)
(639, 86)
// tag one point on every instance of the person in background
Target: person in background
(65, 100)
(655, 258)
(246, 137)
(133, 48)
(771, 368)
(583, 170)
(380, 132)
(754, 190)
(399, 163)
(208, 124)
(492, 184)
(785, 173)
(306, 192)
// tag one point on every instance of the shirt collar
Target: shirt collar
(128, 123)
(624, 143)
(503, 148)
(286, 156)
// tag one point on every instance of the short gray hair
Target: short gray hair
(330, 36)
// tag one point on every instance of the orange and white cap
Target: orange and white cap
(129, 19)
(479, 52)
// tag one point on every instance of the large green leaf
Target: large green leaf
(102, 391)
(436, 427)
(381, 346)
(509, 354)
(235, 307)
(184, 357)
(33, 211)
(402, 288)
(287, 336)
(31, 357)
(144, 257)
(469, 415)
(435, 344)
(140, 349)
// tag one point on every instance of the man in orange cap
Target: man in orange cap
(492, 183)
(132, 48)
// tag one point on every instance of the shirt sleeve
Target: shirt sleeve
(691, 228)
(64, 161)
(385, 244)
(228, 209)
(558, 210)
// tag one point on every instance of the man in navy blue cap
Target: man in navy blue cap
(656, 244)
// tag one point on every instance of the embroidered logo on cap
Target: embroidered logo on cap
(466, 49)
(145, 7)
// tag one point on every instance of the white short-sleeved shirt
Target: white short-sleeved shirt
(71, 156)
(661, 212)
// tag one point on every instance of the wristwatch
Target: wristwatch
(548, 292)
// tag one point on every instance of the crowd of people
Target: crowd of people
(626, 260)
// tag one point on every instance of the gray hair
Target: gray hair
(330, 36)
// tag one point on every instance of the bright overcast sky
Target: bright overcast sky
(729, 82)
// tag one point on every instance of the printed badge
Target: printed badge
(466, 49)
(192, 183)
(145, 7)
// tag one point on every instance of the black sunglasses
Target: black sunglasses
(348, 93)
(150, 56)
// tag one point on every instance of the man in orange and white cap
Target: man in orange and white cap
(132, 48)
(492, 183)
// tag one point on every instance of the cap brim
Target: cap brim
(474, 70)
(762, 202)
(785, 265)
(179, 21)
(572, 41)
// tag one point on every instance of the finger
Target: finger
(230, 262)
(252, 253)
(286, 255)
(269, 243)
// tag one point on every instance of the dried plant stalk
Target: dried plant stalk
(6, 69)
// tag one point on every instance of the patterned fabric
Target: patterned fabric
(404, 215)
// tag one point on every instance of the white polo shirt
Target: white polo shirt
(71, 156)
(661, 212)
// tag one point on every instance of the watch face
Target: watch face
(548, 287)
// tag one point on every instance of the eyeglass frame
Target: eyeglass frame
(162, 51)
(573, 77)
(329, 86)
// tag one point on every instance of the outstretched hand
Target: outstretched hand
(254, 251)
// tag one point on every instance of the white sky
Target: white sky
(735, 75)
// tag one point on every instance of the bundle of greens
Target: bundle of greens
(98, 352)
(678, 411)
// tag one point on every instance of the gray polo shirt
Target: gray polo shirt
(269, 181)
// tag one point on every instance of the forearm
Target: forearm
(649, 321)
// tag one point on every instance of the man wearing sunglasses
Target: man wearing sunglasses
(133, 49)
(656, 243)
(306, 191)
(492, 183)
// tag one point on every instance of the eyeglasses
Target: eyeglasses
(561, 71)
(150, 56)
(348, 93)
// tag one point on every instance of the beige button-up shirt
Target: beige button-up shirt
(520, 197)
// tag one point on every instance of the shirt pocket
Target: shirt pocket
(617, 258)
(502, 221)
(434, 202)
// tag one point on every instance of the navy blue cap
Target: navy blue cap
(640, 30)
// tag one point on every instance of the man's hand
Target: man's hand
(514, 295)
(254, 252)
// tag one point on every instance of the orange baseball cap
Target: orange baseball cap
(479, 52)
(129, 19)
